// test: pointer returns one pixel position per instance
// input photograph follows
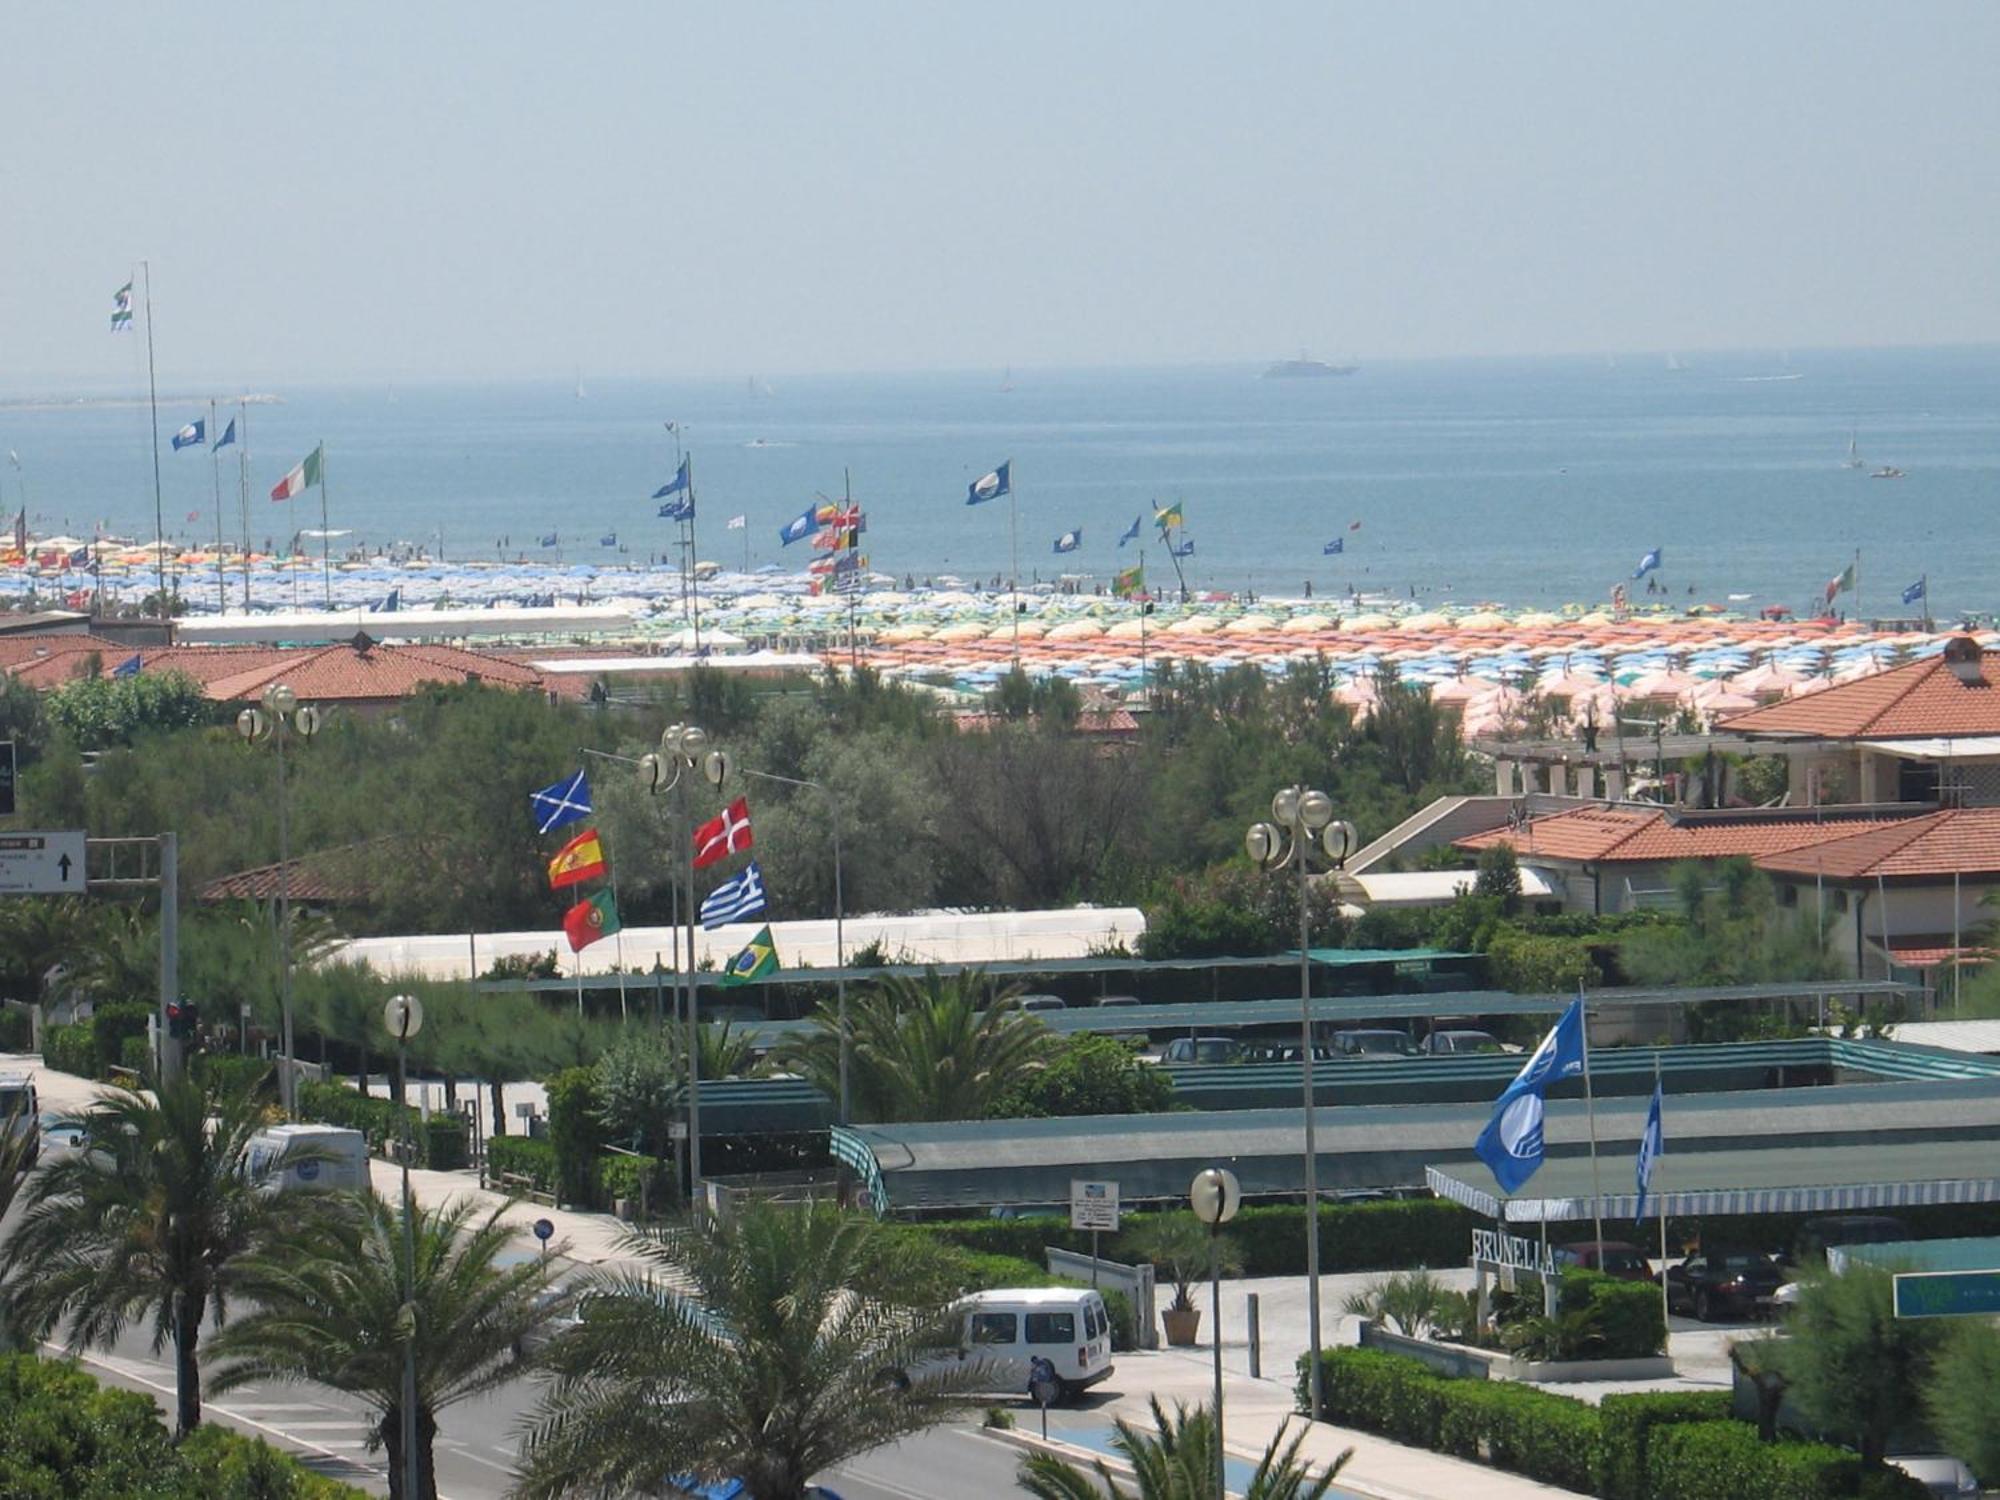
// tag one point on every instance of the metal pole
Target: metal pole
(1300, 843)
(693, 1019)
(287, 1084)
(153, 401)
(1252, 1317)
(410, 1475)
(1590, 1114)
(170, 944)
(839, 955)
(215, 473)
(1215, 1338)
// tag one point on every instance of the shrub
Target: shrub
(443, 1143)
(17, 1031)
(576, 1130)
(136, 1053)
(226, 1073)
(1724, 1461)
(1626, 1315)
(531, 1158)
(69, 1049)
(1629, 1420)
(633, 1177)
(111, 1026)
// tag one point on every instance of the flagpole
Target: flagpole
(1590, 1114)
(1014, 542)
(215, 473)
(854, 537)
(693, 578)
(243, 490)
(1666, 1313)
(153, 401)
(325, 540)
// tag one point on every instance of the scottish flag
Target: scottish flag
(1334, 548)
(800, 527)
(1069, 541)
(1131, 532)
(677, 485)
(1916, 591)
(1511, 1143)
(1651, 1146)
(565, 802)
(735, 899)
(1647, 564)
(228, 436)
(195, 432)
(990, 486)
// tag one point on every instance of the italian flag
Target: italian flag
(305, 476)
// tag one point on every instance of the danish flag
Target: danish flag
(723, 836)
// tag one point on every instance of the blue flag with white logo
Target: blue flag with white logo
(1651, 1146)
(1334, 547)
(228, 436)
(677, 484)
(565, 802)
(1511, 1143)
(990, 486)
(734, 899)
(800, 527)
(1069, 541)
(1647, 564)
(551, 540)
(1131, 532)
(128, 667)
(195, 432)
(1185, 549)
(1918, 590)
(680, 508)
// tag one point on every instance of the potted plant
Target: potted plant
(1178, 1245)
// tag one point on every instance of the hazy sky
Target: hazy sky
(449, 188)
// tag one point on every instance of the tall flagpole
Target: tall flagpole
(1014, 542)
(325, 539)
(215, 472)
(1590, 1112)
(153, 401)
(693, 579)
(1660, 1209)
(243, 490)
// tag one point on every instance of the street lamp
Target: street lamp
(683, 749)
(1302, 819)
(281, 715)
(404, 1016)
(1215, 1195)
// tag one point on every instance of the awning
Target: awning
(1960, 747)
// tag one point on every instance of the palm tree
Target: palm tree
(929, 1049)
(153, 1219)
(1176, 1461)
(330, 1311)
(757, 1348)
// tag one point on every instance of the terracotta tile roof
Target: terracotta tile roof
(1964, 840)
(349, 673)
(1920, 700)
(44, 661)
(1935, 950)
(1612, 835)
(333, 877)
(1090, 721)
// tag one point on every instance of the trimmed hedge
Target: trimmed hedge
(228, 1074)
(111, 1028)
(1672, 1446)
(1627, 1314)
(64, 1437)
(531, 1158)
(633, 1177)
(70, 1049)
(441, 1143)
(577, 1134)
(17, 1030)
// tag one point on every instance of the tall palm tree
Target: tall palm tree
(930, 1049)
(329, 1310)
(152, 1219)
(1176, 1461)
(756, 1348)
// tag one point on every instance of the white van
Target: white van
(1003, 1330)
(21, 1111)
(313, 1157)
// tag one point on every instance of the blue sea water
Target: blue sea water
(1526, 482)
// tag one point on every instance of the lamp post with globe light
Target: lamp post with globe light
(404, 1016)
(281, 716)
(1215, 1195)
(684, 749)
(1302, 820)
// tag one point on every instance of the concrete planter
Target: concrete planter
(1466, 1362)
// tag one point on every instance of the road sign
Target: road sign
(544, 1230)
(1093, 1205)
(1947, 1294)
(41, 864)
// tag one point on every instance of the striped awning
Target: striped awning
(853, 1152)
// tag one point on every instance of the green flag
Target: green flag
(758, 958)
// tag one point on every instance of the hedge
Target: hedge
(228, 1074)
(64, 1437)
(526, 1155)
(17, 1030)
(1627, 1314)
(577, 1134)
(441, 1142)
(111, 1027)
(70, 1049)
(1671, 1446)
(634, 1178)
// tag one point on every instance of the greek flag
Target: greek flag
(735, 899)
(1511, 1143)
(190, 435)
(1651, 1145)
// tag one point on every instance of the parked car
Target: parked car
(1202, 1049)
(61, 1134)
(1723, 1281)
(1044, 1002)
(1612, 1257)
(1817, 1236)
(1281, 1052)
(1940, 1473)
(1372, 1043)
(21, 1110)
(1462, 1043)
(1118, 1000)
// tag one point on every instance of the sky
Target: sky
(455, 190)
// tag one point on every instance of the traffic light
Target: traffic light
(183, 1016)
(175, 1022)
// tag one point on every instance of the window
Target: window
(1093, 1321)
(1051, 1328)
(994, 1328)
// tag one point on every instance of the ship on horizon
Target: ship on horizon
(1304, 368)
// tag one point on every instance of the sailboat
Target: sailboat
(1674, 365)
(1007, 381)
(581, 393)
(1854, 459)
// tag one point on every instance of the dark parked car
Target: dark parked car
(1043, 1002)
(1612, 1257)
(1372, 1043)
(1723, 1281)
(1461, 1043)
(1816, 1236)
(1204, 1049)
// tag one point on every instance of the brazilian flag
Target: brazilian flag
(758, 958)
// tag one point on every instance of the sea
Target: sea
(1523, 483)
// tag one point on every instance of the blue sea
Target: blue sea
(1523, 482)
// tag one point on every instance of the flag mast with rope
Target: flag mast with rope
(153, 402)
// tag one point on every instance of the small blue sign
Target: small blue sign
(544, 1230)
(1947, 1294)
(308, 1170)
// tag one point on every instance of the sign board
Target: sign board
(1511, 1252)
(41, 864)
(1947, 1294)
(544, 1230)
(1093, 1205)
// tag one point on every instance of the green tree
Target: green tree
(1177, 1461)
(938, 1048)
(1963, 1397)
(1181, 1245)
(1088, 1075)
(98, 712)
(751, 1348)
(638, 1093)
(331, 1309)
(1415, 740)
(1499, 878)
(1856, 1369)
(151, 1220)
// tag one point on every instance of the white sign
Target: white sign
(1093, 1205)
(41, 864)
(1510, 1252)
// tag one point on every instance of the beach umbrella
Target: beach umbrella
(1484, 619)
(1250, 624)
(1429, 620)
(1368, 621)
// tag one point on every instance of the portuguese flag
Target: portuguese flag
(592, 918)
(304, 477)
(581, 859)
(1131, 583)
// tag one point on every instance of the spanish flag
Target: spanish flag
(582, 858)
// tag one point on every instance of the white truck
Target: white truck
(309, 1157)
